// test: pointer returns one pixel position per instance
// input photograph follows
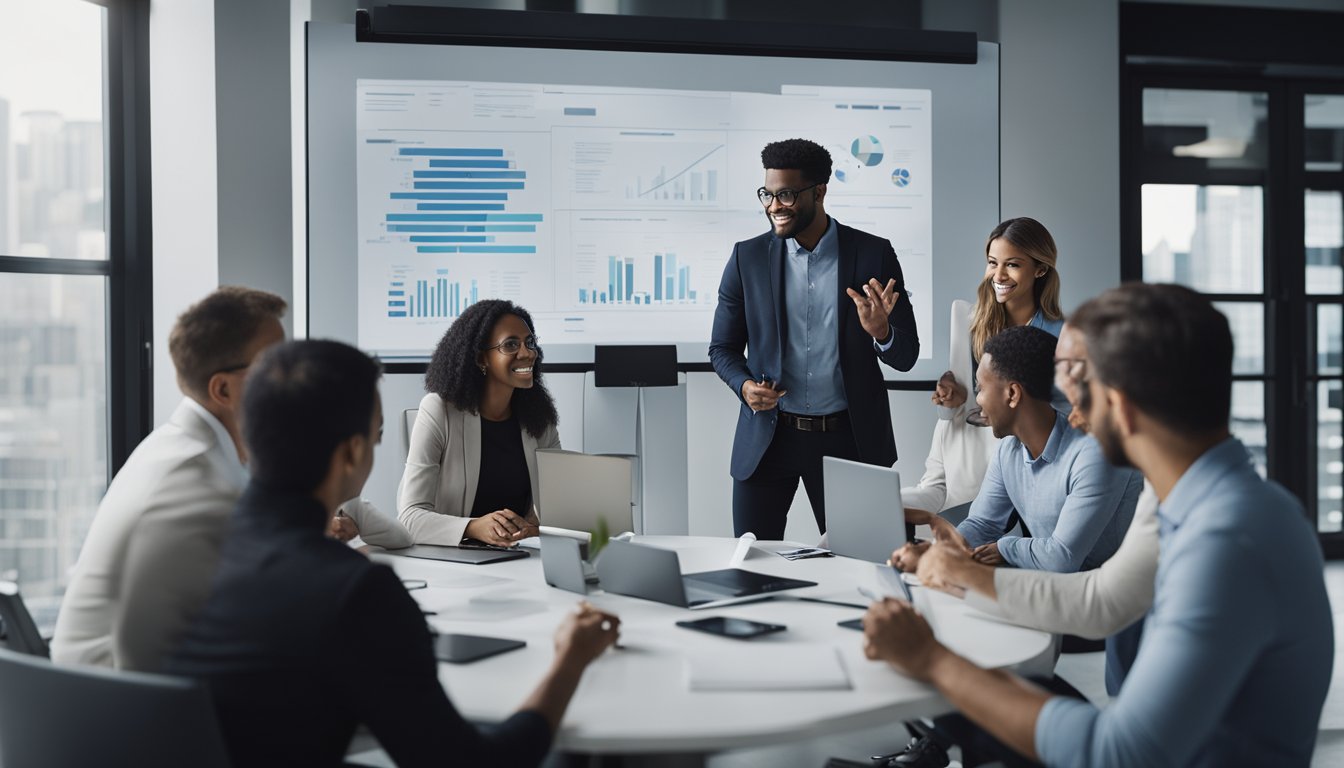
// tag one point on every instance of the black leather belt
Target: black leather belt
(828, 423)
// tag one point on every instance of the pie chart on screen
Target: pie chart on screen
(900, 177)
(867, 150)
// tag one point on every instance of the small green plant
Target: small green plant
(600, 537)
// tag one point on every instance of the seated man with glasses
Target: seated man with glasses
(816, 304)
(471, 471)
(1237, 651)
(151, 551)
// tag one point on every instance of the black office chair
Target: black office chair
(70, 717)
(17, 628)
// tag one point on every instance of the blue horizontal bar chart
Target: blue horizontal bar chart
(469, 174)
(476, 249)
(450, 152)
(483, 185)
(456, 202)
(462, 228)
(470, 163)
(452, 239)
(494, 196)
(459, 207)
(482, 217)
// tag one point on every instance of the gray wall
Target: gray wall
(182, 147)
(1059, 124)
(252, 116)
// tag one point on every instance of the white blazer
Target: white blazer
(151, 552)
(443, 466)
(959, 455)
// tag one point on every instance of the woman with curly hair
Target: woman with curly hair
(471, 472)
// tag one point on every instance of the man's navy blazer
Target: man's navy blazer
(751, 314)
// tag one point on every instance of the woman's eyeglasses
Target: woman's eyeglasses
(511, 346)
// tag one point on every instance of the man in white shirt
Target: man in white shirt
(149, 557)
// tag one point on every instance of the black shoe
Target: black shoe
(922, 752)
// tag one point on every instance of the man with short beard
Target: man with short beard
(818, 304)
(1237, 650)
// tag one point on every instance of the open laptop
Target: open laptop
(865, 519)
(576, 489)
(655, 574)
(563, 567)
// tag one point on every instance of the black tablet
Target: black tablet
(462, 649)
(741, 629)
(460, 555)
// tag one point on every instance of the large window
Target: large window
(1232, 183)
(1323, 236)
(1202, 202)
(64, 278)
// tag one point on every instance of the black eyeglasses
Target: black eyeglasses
(786, 197)
(234, 368)
(511, 346)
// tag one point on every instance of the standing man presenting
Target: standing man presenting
(818, 303)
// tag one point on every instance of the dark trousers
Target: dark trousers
(978, 746)
(761, 503)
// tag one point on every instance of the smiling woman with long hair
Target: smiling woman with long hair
(471, 470)
(1020, 287)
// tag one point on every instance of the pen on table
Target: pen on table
(824, 601)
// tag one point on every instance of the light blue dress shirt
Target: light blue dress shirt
(811, 372)
(1052, 327)
(1076, 505)
(1238, 646)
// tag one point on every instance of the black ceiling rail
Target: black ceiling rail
(591, 31)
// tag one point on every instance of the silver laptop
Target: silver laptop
(655, 574)
(563, 567)
(576, 489)
(865, 519)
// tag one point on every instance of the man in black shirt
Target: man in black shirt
(303, 639)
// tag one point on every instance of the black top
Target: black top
(504, 482)
(302, 639)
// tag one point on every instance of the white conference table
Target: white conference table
(635, 700)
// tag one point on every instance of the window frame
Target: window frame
(1289, 376)
(128, 266)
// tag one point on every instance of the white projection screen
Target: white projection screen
(603, 190)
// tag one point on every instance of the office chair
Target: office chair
(69, 717)
(19, 630)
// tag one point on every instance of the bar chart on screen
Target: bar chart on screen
(608, 212)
